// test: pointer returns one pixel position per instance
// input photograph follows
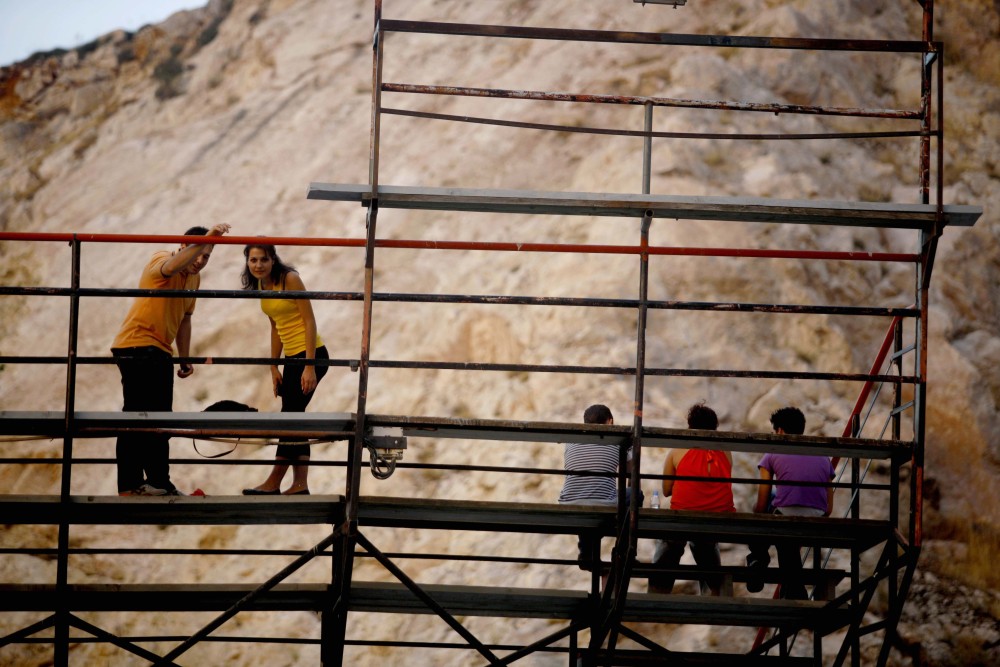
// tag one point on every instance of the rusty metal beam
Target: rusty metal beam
(716, 105)
(650, 134)
(431, 244)
(625, 37)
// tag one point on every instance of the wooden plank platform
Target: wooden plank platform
(380, 597)
(741, 573)
(824, 581)
(739, 441)
(419, 513)
(746, 209)
(740, 527)
(173, 510)
(653, 523)
(107, 424)
(341, 425)
(503, 429)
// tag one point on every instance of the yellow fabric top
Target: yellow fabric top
(154, 320)
(291, 327)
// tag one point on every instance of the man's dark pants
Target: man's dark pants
(147, 386)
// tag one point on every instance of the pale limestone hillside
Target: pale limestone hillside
(226, 114)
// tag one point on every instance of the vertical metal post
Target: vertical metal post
(855, 639)
(61, 641)
(354, 454)
(627, 522)
(928, 244)
(897, 391)
(626, 545)
(897, 400)
(919, 402)
(927, 248)
(897, 420)
(817, 564)
(640, 363)
(333, 624)
(71, 355)
(940, 132)
(378, 39)
(925, 103)
(343, 561)
(647, 149)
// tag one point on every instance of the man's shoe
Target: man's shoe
(145, 490)
(175, 492)
(258, 492)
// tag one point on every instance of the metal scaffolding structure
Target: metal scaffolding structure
(605, 613)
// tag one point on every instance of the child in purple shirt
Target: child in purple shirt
(800, 468)
(790, 500)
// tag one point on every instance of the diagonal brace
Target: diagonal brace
(544, 641)
(17, 635)
(428, 600)
(250, 597)
(644, 641)
(81, 624)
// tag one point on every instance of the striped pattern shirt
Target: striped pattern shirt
(591, 458)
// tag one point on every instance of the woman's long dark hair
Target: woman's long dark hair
(278, 269)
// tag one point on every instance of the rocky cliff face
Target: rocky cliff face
(225, 114)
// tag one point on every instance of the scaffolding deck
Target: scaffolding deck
(109, 424)
(745, 209)
(381, 597)
(340, 425)
(434, 514)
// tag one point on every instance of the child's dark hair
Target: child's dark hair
(597, 414)
(702, 417)
(790, 420)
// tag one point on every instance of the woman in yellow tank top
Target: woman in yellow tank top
(293, 330)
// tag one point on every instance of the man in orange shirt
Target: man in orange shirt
(143, 350)
(710, 495)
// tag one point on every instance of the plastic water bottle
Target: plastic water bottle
(655, 504)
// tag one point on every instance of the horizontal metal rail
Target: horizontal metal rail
(489, 299)
(76, 551)
(481, 299)
(625, 37)
(457, 600)
(490, 246)
(458, 467)
(499, 367)
(581, 129)
(641, 100)
(290, 640)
